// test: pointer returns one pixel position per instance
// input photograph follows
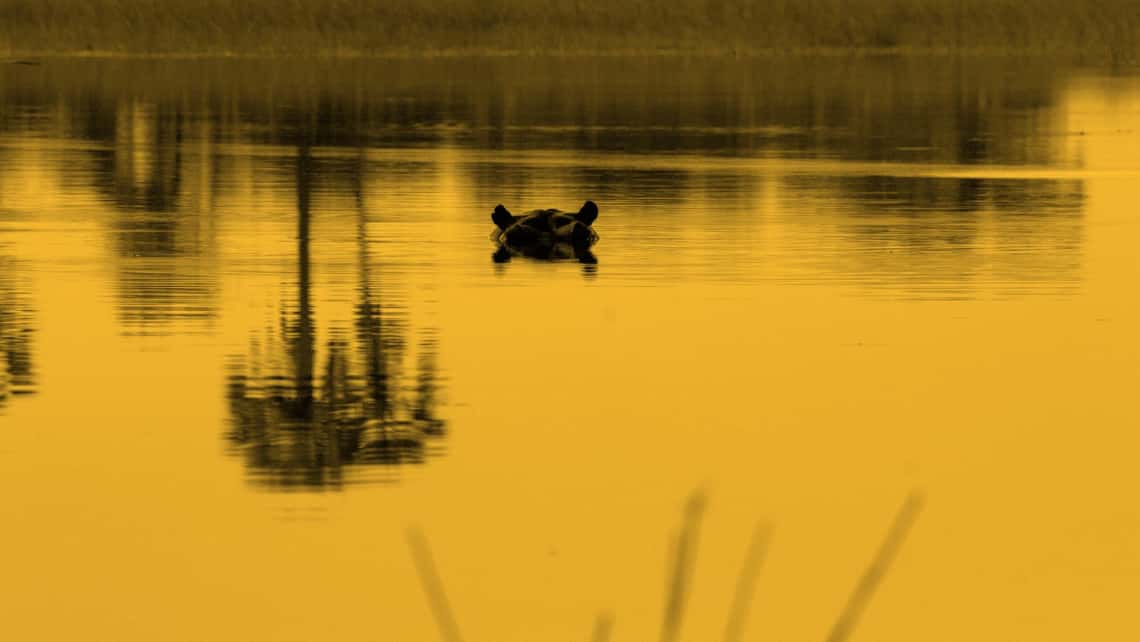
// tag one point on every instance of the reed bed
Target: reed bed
(1104, 29)
(683, 563)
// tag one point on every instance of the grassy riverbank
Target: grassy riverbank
(1105, 29)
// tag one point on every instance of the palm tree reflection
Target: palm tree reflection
(294, 433)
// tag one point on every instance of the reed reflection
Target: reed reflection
(905, 110)
(17, 332)
(303, 421)
(950, 237)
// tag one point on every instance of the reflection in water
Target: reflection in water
(165, 276)
(162, 250)
(142, 169)
(727, 172)
(890, 109)
(298, 427)
(938, 236)
(17, 370)
(163, 247)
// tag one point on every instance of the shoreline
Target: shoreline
(1102, 31)
(32, 57)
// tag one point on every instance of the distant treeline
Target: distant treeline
(1104, 29)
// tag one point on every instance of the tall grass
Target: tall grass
(680, 576)
(1100, 28)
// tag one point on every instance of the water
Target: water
(251, 332)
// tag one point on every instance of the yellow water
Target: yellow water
(821, 287)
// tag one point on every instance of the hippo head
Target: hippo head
(545, 234)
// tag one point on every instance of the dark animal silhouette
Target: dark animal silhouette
(545, 234)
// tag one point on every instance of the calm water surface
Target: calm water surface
(251, 331)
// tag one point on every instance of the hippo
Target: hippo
(545, 234)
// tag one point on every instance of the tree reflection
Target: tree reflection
(163, 245)
(296, 432)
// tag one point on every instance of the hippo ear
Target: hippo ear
(502, 217)
(588, 213)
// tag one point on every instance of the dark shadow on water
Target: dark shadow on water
(302, 420)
